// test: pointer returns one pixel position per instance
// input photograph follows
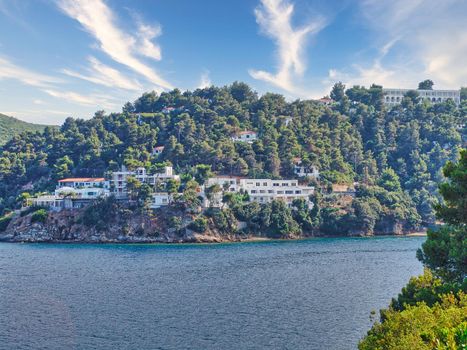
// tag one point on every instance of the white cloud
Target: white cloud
(428, 38)
(146, 34)
(99, 21)
(102, 74)
(97, 101)
(205, 81)
(275, 20)
(38, 102)
(9, 70)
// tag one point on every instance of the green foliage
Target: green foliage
(200, 224)
(454, 192)
(463, 93)
(445, 252)
(10, 126)
(354, 139)
(175, 222)
(101, 214)
(223, 220)
(426, 85)
(431, 311)
(4, 222)
(419, 327)
(39, 216)
(425, 288)
(389, 181)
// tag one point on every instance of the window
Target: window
(258, 184)
(270, 191)
(253, 191)
(298, 192)
(280, 192)
(288, 192)
(262, 191)
(265, 183)
(285, 184)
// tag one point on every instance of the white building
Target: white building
(83, 182)
(78, 193)
(160, 199)
(260, 190)
(267, 190)
(119, 178)
(82, 193)
(305, 171)
(393, 97)
(227, 183)
(245, 136)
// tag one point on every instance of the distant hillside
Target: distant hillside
(10, 126)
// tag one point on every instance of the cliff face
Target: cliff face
(65, 226)
(130, 227)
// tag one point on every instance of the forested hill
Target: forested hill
(10, 126)
(395, 155)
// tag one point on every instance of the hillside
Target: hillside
(392, 156)
(10, 126)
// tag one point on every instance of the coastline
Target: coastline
(201, 239)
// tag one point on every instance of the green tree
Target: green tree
(426, 85)
(63, 167)
(389, 181)
(338, 92)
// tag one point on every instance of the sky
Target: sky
(62, 58)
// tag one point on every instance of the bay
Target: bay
(309, 294)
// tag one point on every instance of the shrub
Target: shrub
(29, 210)
(200, 224)
(4, 221)
(39, 216)
(442, 326)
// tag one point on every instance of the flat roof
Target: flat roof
(82, 179)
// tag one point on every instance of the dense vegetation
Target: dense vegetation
(395, 155)
(10, 126)
(431, 311)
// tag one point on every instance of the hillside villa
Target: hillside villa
(245, 136)
(78, 192)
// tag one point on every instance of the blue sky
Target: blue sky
(61, 58)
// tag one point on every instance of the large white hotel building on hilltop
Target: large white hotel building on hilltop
(393, 97)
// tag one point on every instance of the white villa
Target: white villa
(119, 178)
(160, 199)
(73, 193)
(260, 190)
(245, 136)
(83, 182)
(79, 192)
(267, 190)
(393, 97)
(304, 171)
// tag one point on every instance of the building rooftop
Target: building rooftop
(82, 179)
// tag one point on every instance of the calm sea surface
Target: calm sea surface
(312, 294)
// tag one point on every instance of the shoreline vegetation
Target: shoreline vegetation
(349, 164)
(431, 310)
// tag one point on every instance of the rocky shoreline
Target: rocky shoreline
(65, 227)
